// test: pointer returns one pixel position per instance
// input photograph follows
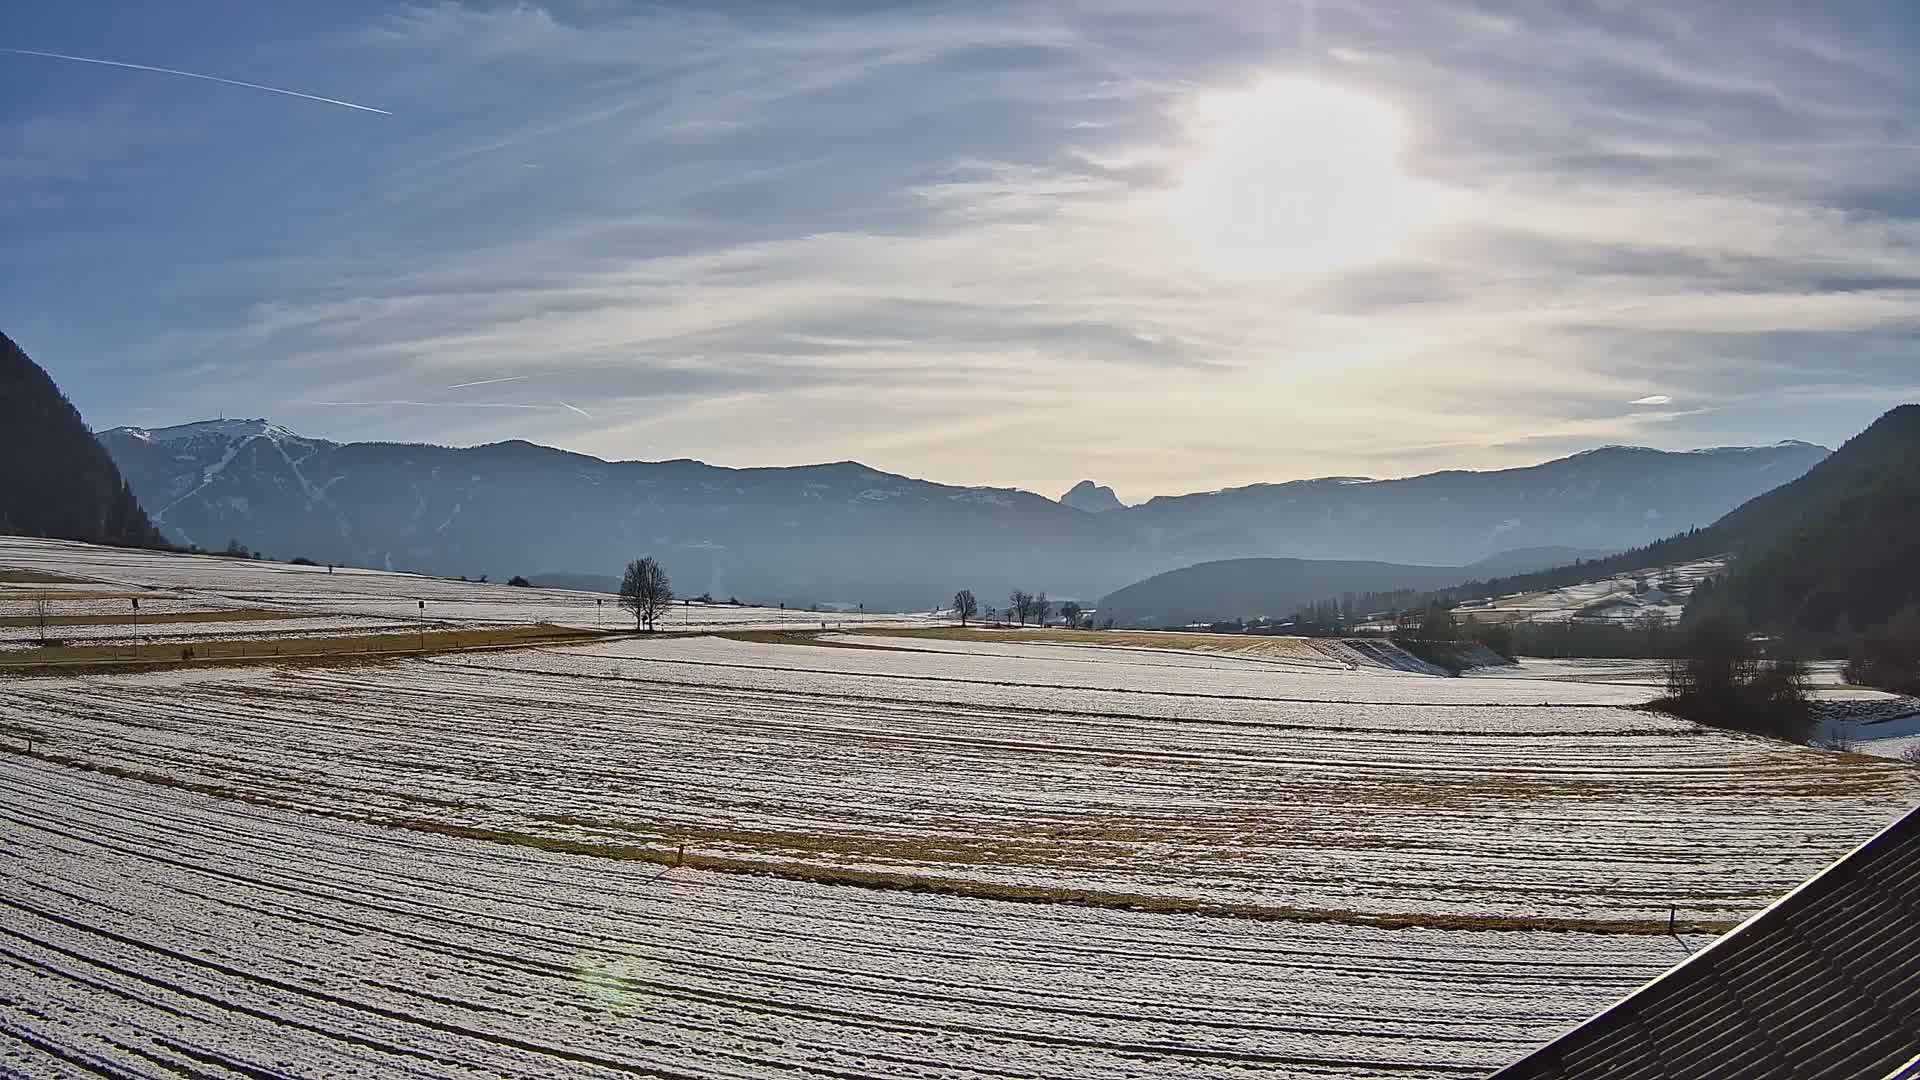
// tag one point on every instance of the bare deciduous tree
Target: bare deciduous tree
(1070, 614)
(1020, 605)
(965, 606)
(645, 591)
(1040, 609)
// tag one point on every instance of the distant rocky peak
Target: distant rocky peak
(1091, 497)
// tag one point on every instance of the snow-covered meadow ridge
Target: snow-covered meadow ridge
(345, 601)
(856, 855)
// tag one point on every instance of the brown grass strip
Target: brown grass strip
(151, 618)
(1035, 894)
(79, 594)
(93, 659)
(12, 575)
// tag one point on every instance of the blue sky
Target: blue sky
(1167, 246)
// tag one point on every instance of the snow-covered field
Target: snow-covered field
(360, 601)
(903, 856)
(1208, 783)
(1855, 718)
(150, 932)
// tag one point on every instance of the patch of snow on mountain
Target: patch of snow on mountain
(235, 430)
(988, 496)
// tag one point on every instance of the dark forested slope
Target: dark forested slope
(1258, 588)
(57, 480)
(1840, 547)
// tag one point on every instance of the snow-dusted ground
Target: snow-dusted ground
(1887, 727)
(235, 871)
(162, 606)
(209, 582)
(1856, 718)
(147, 933)
(1192, 779)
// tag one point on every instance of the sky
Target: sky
(1166, 246)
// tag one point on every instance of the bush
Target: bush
(1720, 679)
(1496, 636)
(519, 582)
(301, 560)
(1888, 656)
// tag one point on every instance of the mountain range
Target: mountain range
(845, 532)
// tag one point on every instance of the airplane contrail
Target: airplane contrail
(431, 404)
(488, 382)
(196, 75)
(574, 408)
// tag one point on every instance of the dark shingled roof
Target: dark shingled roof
(1823, 984)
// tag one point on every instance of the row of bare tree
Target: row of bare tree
(1021, 606)
(646, 592)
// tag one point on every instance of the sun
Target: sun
(1296, 176)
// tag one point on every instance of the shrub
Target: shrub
(1888, 656)
(1721, 679)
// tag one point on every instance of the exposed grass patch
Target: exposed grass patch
(76, 594)
(66, 659)
(151, 618)
(13, 576)
(1034, 894)
(1247, 645)
(805, 637)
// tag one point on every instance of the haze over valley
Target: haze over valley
(845, 533)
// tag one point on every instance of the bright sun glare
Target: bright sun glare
(1296, 176)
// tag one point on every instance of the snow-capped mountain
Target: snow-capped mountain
(181, 464)
(847, 532)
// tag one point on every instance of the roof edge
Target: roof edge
(1797, 897)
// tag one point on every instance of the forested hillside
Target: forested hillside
(1838, 549)
(58, 480)
(1233, 589)
(1829, 559)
